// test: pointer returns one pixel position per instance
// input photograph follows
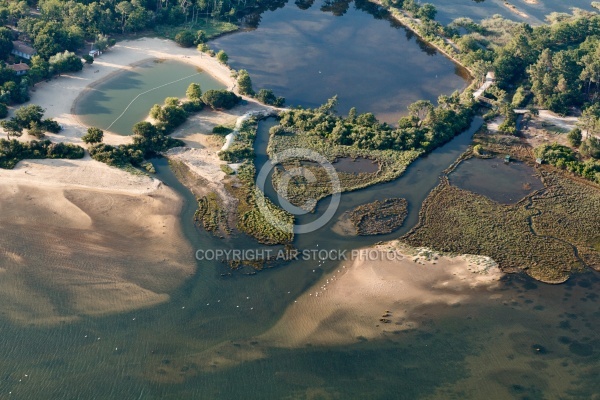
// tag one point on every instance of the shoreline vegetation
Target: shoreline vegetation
(249, 217)
(550, 234)
(361, 136)
(439, 42)
(419, 129)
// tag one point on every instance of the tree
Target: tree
(65, 62)
(3, 110)
(6, 44)
(144, 129)
(35, 130)
(124, 8)
(266, 96)
(39, 69)
(185, 38)
(427, 12)
(94, 135)
(101, 42)
(29, 114)
(11, 128)
(244, 83)
(220, 99)
(590, 120)
(575, 137)
(222, 57)
(194, 92)
(200, 37)
(590, 147)
(88, 59)
(420, 109)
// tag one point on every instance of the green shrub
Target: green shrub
(575, 137)
(244, 83)
(222, 57)
(51, 126)
(227, 169)
(220, 99)
(185, 38)
(13, 151)
(221, 130)
(94, 135)
(266, 96)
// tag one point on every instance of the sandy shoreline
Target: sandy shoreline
(59, 95)
(105, 239)
(66, 252)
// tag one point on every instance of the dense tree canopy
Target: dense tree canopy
(427, 127)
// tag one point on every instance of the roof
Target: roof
(19, 67)
(23, 48)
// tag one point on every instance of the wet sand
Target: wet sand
(73, 250)
(347, 305)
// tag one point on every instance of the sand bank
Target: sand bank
(347, 305)
(74, 250)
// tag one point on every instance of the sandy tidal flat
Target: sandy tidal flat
(68, 250)
(346, 306)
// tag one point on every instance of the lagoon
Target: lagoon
(125, 98)
(341, 48)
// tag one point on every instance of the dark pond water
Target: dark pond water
(501, 182)
(124, 99)
(355, 165)
(310, 55)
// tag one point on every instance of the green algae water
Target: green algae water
(125, 98)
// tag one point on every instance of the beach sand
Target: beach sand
(346, 306)
(58, 95)
(80, 238)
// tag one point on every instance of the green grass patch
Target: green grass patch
(251, 219)
(227, 169)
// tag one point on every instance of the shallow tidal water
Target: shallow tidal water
(481, 9)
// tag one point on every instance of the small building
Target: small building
(20, 68)
(21, 49)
